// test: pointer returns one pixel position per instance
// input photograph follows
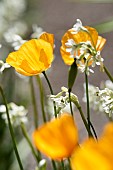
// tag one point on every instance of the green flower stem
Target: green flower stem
(87, 97)
(29, 142)
(108, 74)
(53, 164)
(69, 91)
(51, 90)
(41, 97)
(11, 131)
(34, 103)
(63, 166)
(83, 117)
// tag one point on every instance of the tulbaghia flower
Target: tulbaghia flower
(84, 46)
(34, 56)
(37, 31)
(3, 66)
(17, 114)
(106, 99)
(62, 100)
(95, 154)
(58, 138)
(77, 27)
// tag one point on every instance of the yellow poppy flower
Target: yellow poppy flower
(91, 35)
(57, 138)
(34, 56)
(95, 154)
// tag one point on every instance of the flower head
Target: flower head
(84, 45)
(34, 56)
(17, 114)
(57, 138)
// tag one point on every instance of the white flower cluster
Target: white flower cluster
(12, 36)
(17, 114)
(84, 52)
(62, 99)
(101, 99)
(10, 12)
(106, 99)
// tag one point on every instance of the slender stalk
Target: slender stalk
(63, 166)
(108, 74)
(51, 90)
(54, 165)
(34, 103)
(87, 97)
(69, 91)
(41, 97)
(83, 118)
(29, 142)
(90, 126)
(11, 131)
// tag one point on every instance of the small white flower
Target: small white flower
(17, 114)
(3, 66)
(62, 100)
(78, 27)
(37, 31)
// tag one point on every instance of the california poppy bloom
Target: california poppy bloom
(84, 45)
(94, 154)
(58, 138)
(34, 56)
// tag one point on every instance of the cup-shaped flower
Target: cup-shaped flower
(95, 154)
(58, 138)
(83, 45)
(79, 44)
(34, 56)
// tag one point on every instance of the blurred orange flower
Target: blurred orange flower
(34, 56)
(91, 35)
(58, 138)
(95, 154)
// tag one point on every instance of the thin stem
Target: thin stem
(51, 90)
(88, 110)
(87, 97)
(34, 103)
(83, 118)
(29, 142)
(41, 97)
(93, 130)
(63, 166)
(108, 74)
(69, 91)
(54, 165)
(11, 131)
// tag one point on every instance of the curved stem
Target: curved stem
(69, 91)
(34, 103)
(108, 74)
(87, 97)
(29, 142)
(83, 118)
(11, 131)
(41, 97)
(51, 90)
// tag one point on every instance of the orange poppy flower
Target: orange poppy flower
(91, 35)
(57, 138)
(34, 56)
(95, 154)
